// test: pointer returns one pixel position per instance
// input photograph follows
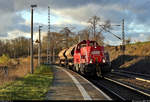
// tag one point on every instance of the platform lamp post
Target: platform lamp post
(31, 49)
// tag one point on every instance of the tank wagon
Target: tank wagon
(62, 57)
(86, 57)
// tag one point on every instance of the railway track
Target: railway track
(136, 76)
(141, 85)
(102, 85)
(119, 91)
(132, 74)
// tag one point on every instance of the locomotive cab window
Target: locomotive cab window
(78, 49)
(83, 45)
(91, 44)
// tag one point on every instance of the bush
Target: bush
(4, 59)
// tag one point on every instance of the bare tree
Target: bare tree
(15, 47)
(94, 22)
(68, 36)
(66, 31)
(100, 38)
(96, 28)
(106, 26)
(84, 34)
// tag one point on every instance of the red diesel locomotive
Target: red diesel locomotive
(87, 57)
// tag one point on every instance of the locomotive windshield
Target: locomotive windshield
(93, 43)
(85, 43)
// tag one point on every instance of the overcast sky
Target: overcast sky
(15, 17)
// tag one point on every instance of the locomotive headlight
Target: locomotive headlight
(103, 60)
(91, 61)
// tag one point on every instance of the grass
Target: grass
(16, 69)
(31, 87)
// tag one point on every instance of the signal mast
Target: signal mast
(48, 39)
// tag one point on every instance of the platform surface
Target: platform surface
(68, 85)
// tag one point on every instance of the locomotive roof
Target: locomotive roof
(87, 41)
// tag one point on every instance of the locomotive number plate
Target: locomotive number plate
(95, 52)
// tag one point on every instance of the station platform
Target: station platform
(68, 85)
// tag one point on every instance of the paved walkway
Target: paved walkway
(68, 85)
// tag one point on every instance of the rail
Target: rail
(137, 76)
(133, 73)
(128, 86)
(119, 91)
(107, 90)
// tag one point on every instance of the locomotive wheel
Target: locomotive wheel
(98, 74)
(60, 63)
(67, 66)
(82, 69)
(98, 71)
(74, 68)
(77, 67)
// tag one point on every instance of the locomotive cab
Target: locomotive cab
(90, 59)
